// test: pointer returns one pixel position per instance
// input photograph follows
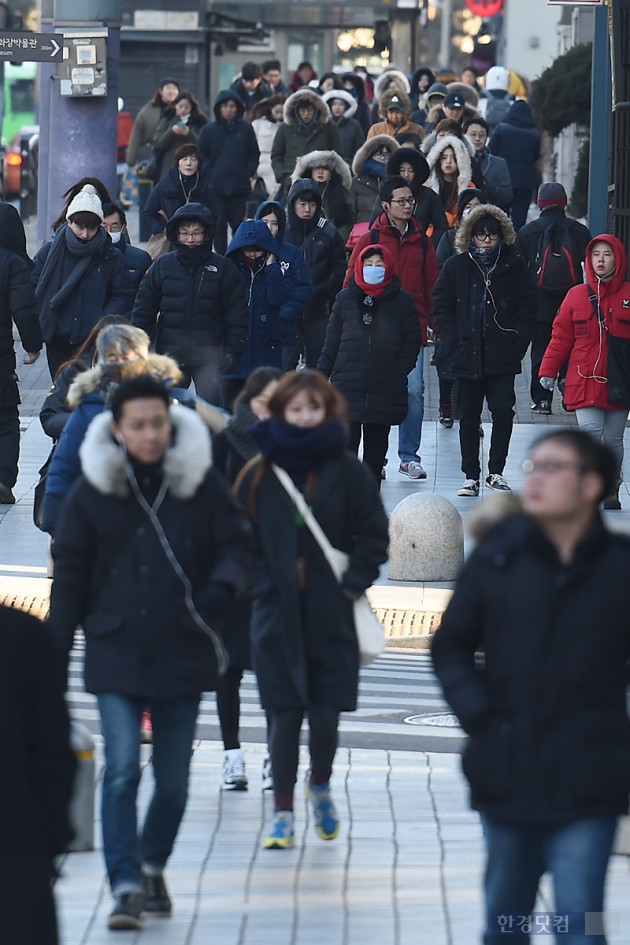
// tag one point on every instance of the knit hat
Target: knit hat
(552, 195)
(454, 100)
(86, 201)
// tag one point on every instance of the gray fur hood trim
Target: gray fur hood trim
(464, 233)
(371, 145)
(386, 98)
(388, 78)
(322, 112)
(496, 509)
(467, 92)
(464, 167)
(437, 113)
(349, 99)
(186, 462)
(332, 161)
(87, 382)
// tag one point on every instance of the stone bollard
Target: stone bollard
(426, 539)
(82, 803)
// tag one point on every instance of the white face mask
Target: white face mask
(116, 237)
(373, 275)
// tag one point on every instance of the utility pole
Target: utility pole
(601, 106)
(446, 34)
(79, 132)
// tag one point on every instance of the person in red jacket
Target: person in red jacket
(415, 264)
(579, 335)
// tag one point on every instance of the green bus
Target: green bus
(20, 90)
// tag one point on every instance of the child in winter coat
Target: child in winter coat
(581, 335)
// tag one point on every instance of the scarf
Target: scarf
(193, 256)
(299, 450)
(303, 128)
(50, 292)
(374, 168)
(485, 258)
(238, 434)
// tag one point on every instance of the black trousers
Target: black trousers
(58, 351)
(375, 443)
(230, 209)
(498, 390)
(521, 200)
(229, 706)
(542, 337)
(27, 907)
(312, 335)
(9, 425)
(205, 371)
(230, 389)
(284, 744)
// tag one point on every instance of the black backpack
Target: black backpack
(554, 267)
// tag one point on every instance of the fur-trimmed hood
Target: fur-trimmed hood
(468, 92)
(366, 151)
(88, 382)
(186, 462)
(330, 160)
(346, 97)
(388, 78)
(464, 233)
(464, 167)
(404, 102)
(437, 113)
(493, 511)
(322, 112)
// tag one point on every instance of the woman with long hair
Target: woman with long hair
(179, 124)
(451, 173)
(304, 643)
(147, 119)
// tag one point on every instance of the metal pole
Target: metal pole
(47, 72)
(445, 33)
(83, 132)
(601, 107)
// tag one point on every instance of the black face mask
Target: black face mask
(193, 256)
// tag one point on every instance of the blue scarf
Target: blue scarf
(299, 450)
(486, 258)
(374, 168)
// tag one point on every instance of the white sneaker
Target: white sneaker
(498, 483)
(267, 775)
(234, 778)
(470, 487)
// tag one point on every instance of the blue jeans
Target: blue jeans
(174, 723)
(410, 430)
(576, 855)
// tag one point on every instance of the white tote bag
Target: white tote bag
(369, 629)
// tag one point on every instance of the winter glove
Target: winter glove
(547, 382)
(351, 591)
(214, 599)
(229, 362)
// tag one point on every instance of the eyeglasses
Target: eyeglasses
(548, 467)
(113, 227)
(382, 152)
(404, 201)
(191, 234)
(487, 237)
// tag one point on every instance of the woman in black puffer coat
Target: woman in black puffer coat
(372, 343)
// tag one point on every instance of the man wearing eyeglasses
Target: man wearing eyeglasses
(193, 305)
(415, 264)
(484, 307)
(545, 597)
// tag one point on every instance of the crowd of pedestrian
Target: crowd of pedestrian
(307, 245)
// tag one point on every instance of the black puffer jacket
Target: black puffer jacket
(550, 735)
(171, 193)
(484, 332)
(113, 578)
(322, 248)
(230, 150)
(17, 296)
(193, 305)
(369, 364)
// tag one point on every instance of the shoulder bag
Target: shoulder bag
(369, 629)
(618, 371)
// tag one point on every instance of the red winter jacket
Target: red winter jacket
(577, 335)
(417, 270)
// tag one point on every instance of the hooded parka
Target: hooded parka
(464, 170)
(304, 645)
(577, 335)
(369, 174)
(351, 134)
(362, 114)
(186, 303)
(369, 363)
(294, 270)
(230, 150)
(484, 322)
(322, 248)
(294, 139)
(517, 141)
(113, 578)
(549, 731)
(337, 204)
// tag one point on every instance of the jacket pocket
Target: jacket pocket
(103, 625)
(488, 761)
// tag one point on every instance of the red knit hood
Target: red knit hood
(375, 290)
(621, 257)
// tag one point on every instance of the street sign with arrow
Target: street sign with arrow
(17, 46)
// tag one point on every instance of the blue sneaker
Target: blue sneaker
(326, 820)
(281, 836)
